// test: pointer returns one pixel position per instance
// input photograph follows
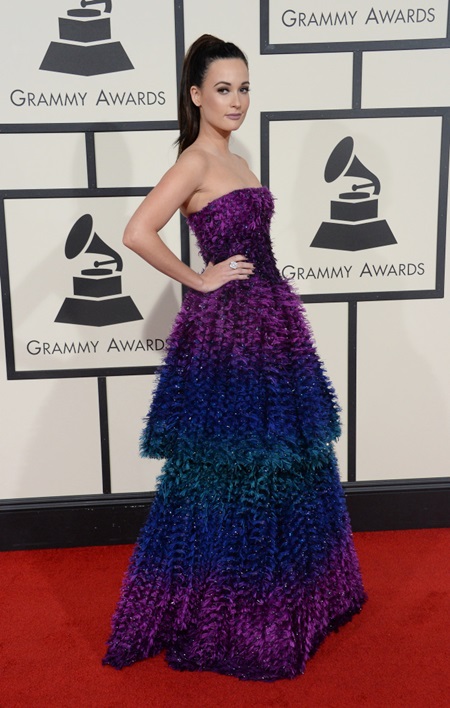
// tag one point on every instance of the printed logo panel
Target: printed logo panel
(80, 300)
(87, 61)
(85, 46)
(311, 25)
(358, 204)
(97, 298)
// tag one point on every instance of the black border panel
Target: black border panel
(102, 385)
(90, 160)
(65, 522)
(409, 504)
(123, 127)
(352, 389)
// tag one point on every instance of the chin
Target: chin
(234, 125)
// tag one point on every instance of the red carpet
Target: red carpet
(54, 619)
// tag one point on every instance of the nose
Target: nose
(236, 99)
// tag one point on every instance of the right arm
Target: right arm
(141, 234)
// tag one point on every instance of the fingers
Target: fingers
(241, 271)
(238, 259)
(239, 264)
(234, 268)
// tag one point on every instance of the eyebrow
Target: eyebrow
(227, 83)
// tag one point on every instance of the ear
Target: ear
(195, 96)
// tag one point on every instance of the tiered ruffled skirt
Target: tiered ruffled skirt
(247, 560)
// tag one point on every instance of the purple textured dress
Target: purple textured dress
(247, 560)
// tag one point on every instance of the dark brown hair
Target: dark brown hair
(200, 55)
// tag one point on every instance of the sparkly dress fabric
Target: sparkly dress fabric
(247, 560)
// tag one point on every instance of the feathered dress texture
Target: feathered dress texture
(247, 560)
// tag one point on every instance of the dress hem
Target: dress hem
(225, 668)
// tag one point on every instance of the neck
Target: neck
(214, 140)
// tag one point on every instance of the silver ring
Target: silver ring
(233, 264)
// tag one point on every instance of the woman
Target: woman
(247, 560)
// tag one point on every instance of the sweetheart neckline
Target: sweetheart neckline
(227, 194)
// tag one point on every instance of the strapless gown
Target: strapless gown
(247, 559)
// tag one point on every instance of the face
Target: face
(223, 98)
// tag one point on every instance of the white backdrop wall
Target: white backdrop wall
(91, 144)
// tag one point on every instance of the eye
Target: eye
(245, 89)
(222, 90)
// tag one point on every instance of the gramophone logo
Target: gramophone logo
(86, 47)
(354, 224)
(98, 299)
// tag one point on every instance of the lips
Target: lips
(234, 116)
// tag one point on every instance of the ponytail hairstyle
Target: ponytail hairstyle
(200, 55)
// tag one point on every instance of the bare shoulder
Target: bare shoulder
(185, 176)
(193, 158)
(173, 190)
(197, 163)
